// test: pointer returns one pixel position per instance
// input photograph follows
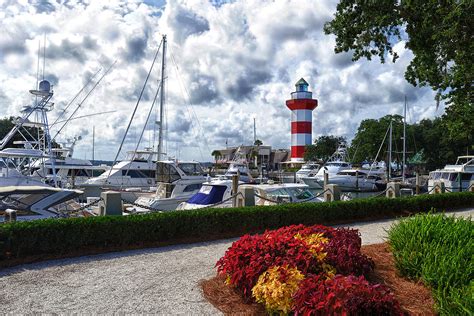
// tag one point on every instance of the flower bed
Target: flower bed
(301, 269)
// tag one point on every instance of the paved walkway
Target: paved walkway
(158, 280)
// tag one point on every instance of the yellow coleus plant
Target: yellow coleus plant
(316, 244)
(275, 288)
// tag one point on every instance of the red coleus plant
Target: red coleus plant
(251, 256)
(343, 295)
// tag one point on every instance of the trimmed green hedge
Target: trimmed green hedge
(65, 236)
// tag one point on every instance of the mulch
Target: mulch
(414, 297)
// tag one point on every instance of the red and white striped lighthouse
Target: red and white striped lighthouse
(301, 105)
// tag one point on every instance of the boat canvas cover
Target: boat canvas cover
(208, 197)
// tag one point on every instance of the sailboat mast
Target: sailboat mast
(390, 151)
(162, 99)
(404, 138)
(93, 142)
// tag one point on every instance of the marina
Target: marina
(236, 157)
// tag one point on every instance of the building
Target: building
(254, 155)
(301, 105)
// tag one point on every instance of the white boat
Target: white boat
(177, 183)
(216, 193)
(137, 172)
(36, 202)
(456, 178)
(356, 180)
(239, 168)
(308, 169)
(72, 172)
(336, 163)
(271, 194)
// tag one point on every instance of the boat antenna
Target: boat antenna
(134, 110)
(162, 99)
(44, 52)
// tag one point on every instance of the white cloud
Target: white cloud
(232, 61)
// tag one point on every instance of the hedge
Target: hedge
(62, 237)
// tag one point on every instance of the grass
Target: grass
(439, 250)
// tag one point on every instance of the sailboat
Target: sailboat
(146, 177)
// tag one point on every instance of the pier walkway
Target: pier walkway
(158, 280)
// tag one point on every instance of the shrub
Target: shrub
(439, 250)
(63, 236)
(251, 256)
(275, 288)
(311, 250)
(343, 295)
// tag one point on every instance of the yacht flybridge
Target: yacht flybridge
(336, 163)
(456, 178)
(137, 171)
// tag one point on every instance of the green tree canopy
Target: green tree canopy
(323, 148)
(258, 142)
(428, 137)
(439, 33)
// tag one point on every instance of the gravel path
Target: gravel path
(158, 280)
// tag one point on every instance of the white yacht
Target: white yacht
(136, 172)
(356, 180)
(242, 169)
(72, 172)
(457, 177)
(12, 161)
(177, 182)
(336, 163)
(308, 169)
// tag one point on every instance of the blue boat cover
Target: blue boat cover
(215, 195)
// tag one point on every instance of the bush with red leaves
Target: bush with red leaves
(343, 295)
(343, 253)
(251, 256)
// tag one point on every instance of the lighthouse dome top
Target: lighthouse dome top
(301, 85)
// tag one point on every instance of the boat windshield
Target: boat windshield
(22, 201)
(298, 193)
(166, 172)
(191, 169)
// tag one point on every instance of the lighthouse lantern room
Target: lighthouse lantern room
(301, 105)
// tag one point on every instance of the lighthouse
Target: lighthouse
(301, 105)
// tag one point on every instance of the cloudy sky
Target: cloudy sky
(228, 62)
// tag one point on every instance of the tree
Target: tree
(258, 142)
(370, 134)
(216, 154)
(323, 148)
(440, 35)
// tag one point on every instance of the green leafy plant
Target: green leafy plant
(440, 251)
